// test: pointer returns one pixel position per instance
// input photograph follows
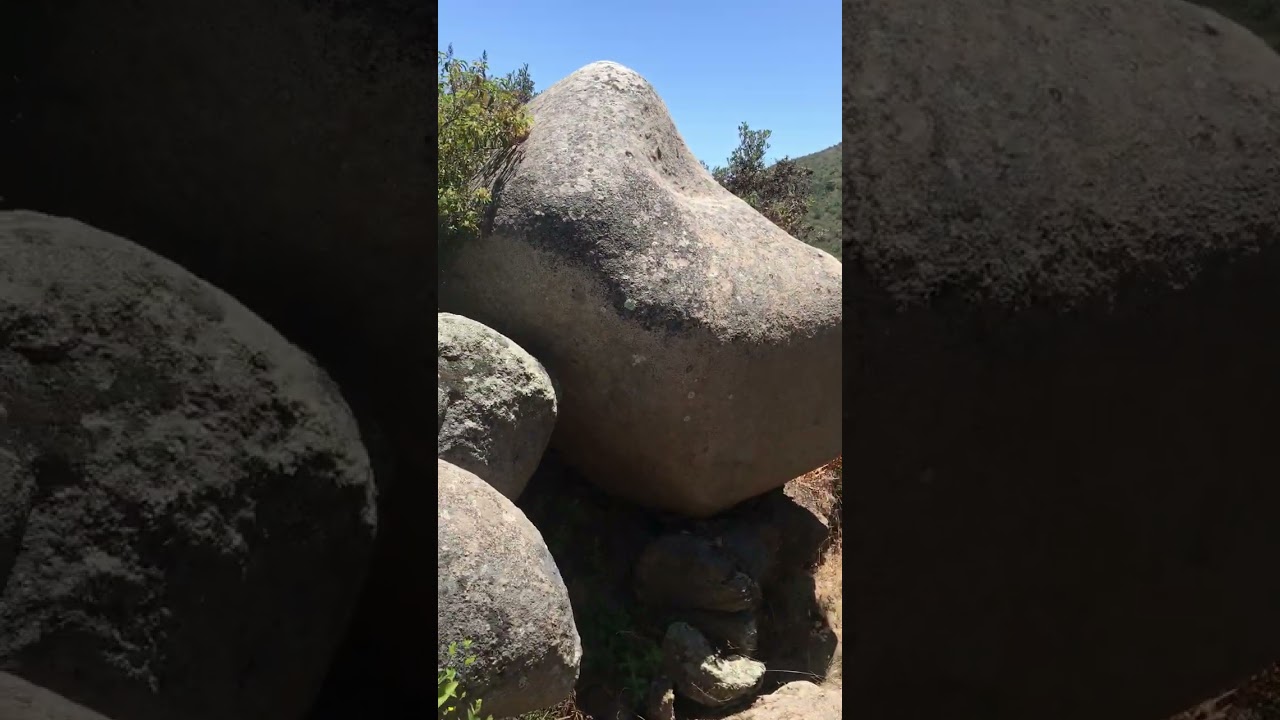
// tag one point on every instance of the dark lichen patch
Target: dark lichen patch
(635, 249)
(54, 470)
(34, 337)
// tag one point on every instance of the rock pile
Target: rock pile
(669, 321)
(201, 519)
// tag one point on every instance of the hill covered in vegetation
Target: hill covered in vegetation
(824, 195)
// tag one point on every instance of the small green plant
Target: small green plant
(477, 117)
(452, 703)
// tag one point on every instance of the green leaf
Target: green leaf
(446, 692)
(477, 117)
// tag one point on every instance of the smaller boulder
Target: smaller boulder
(782, 530)
(22, 700)
(692, 571)
(500, 591)
(496, 404)
(754, 545)
(735, 633)
(702, 675)
(800, 700)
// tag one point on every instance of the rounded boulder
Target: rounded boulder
(186, 506)
(501, 595)
(279, 150)
(496, 404)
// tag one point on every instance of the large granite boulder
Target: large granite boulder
(187, 509)
(697, 345)
(282, 150)
(279, 149)
(1061, 233)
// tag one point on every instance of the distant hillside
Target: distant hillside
(824, 210)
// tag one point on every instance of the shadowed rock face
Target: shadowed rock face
(277, 148)
(21, 700)
(1061, 240)
(696, 343)
(187, 509)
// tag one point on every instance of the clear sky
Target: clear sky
(774, 65)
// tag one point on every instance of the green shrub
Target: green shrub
(779, 191)
(448, 696)
(477, 117)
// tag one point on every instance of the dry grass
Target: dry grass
(566, 710)
(829, 583)
(821, 490)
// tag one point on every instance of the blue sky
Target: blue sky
(774, 65)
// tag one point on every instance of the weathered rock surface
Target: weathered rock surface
(799, 700)
(497, 404)
(499, 588)
(21, 700)
(704, 676)
(278, 150)
(186, 506)
(1062, 242)
(696, 344)
(691, 571)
